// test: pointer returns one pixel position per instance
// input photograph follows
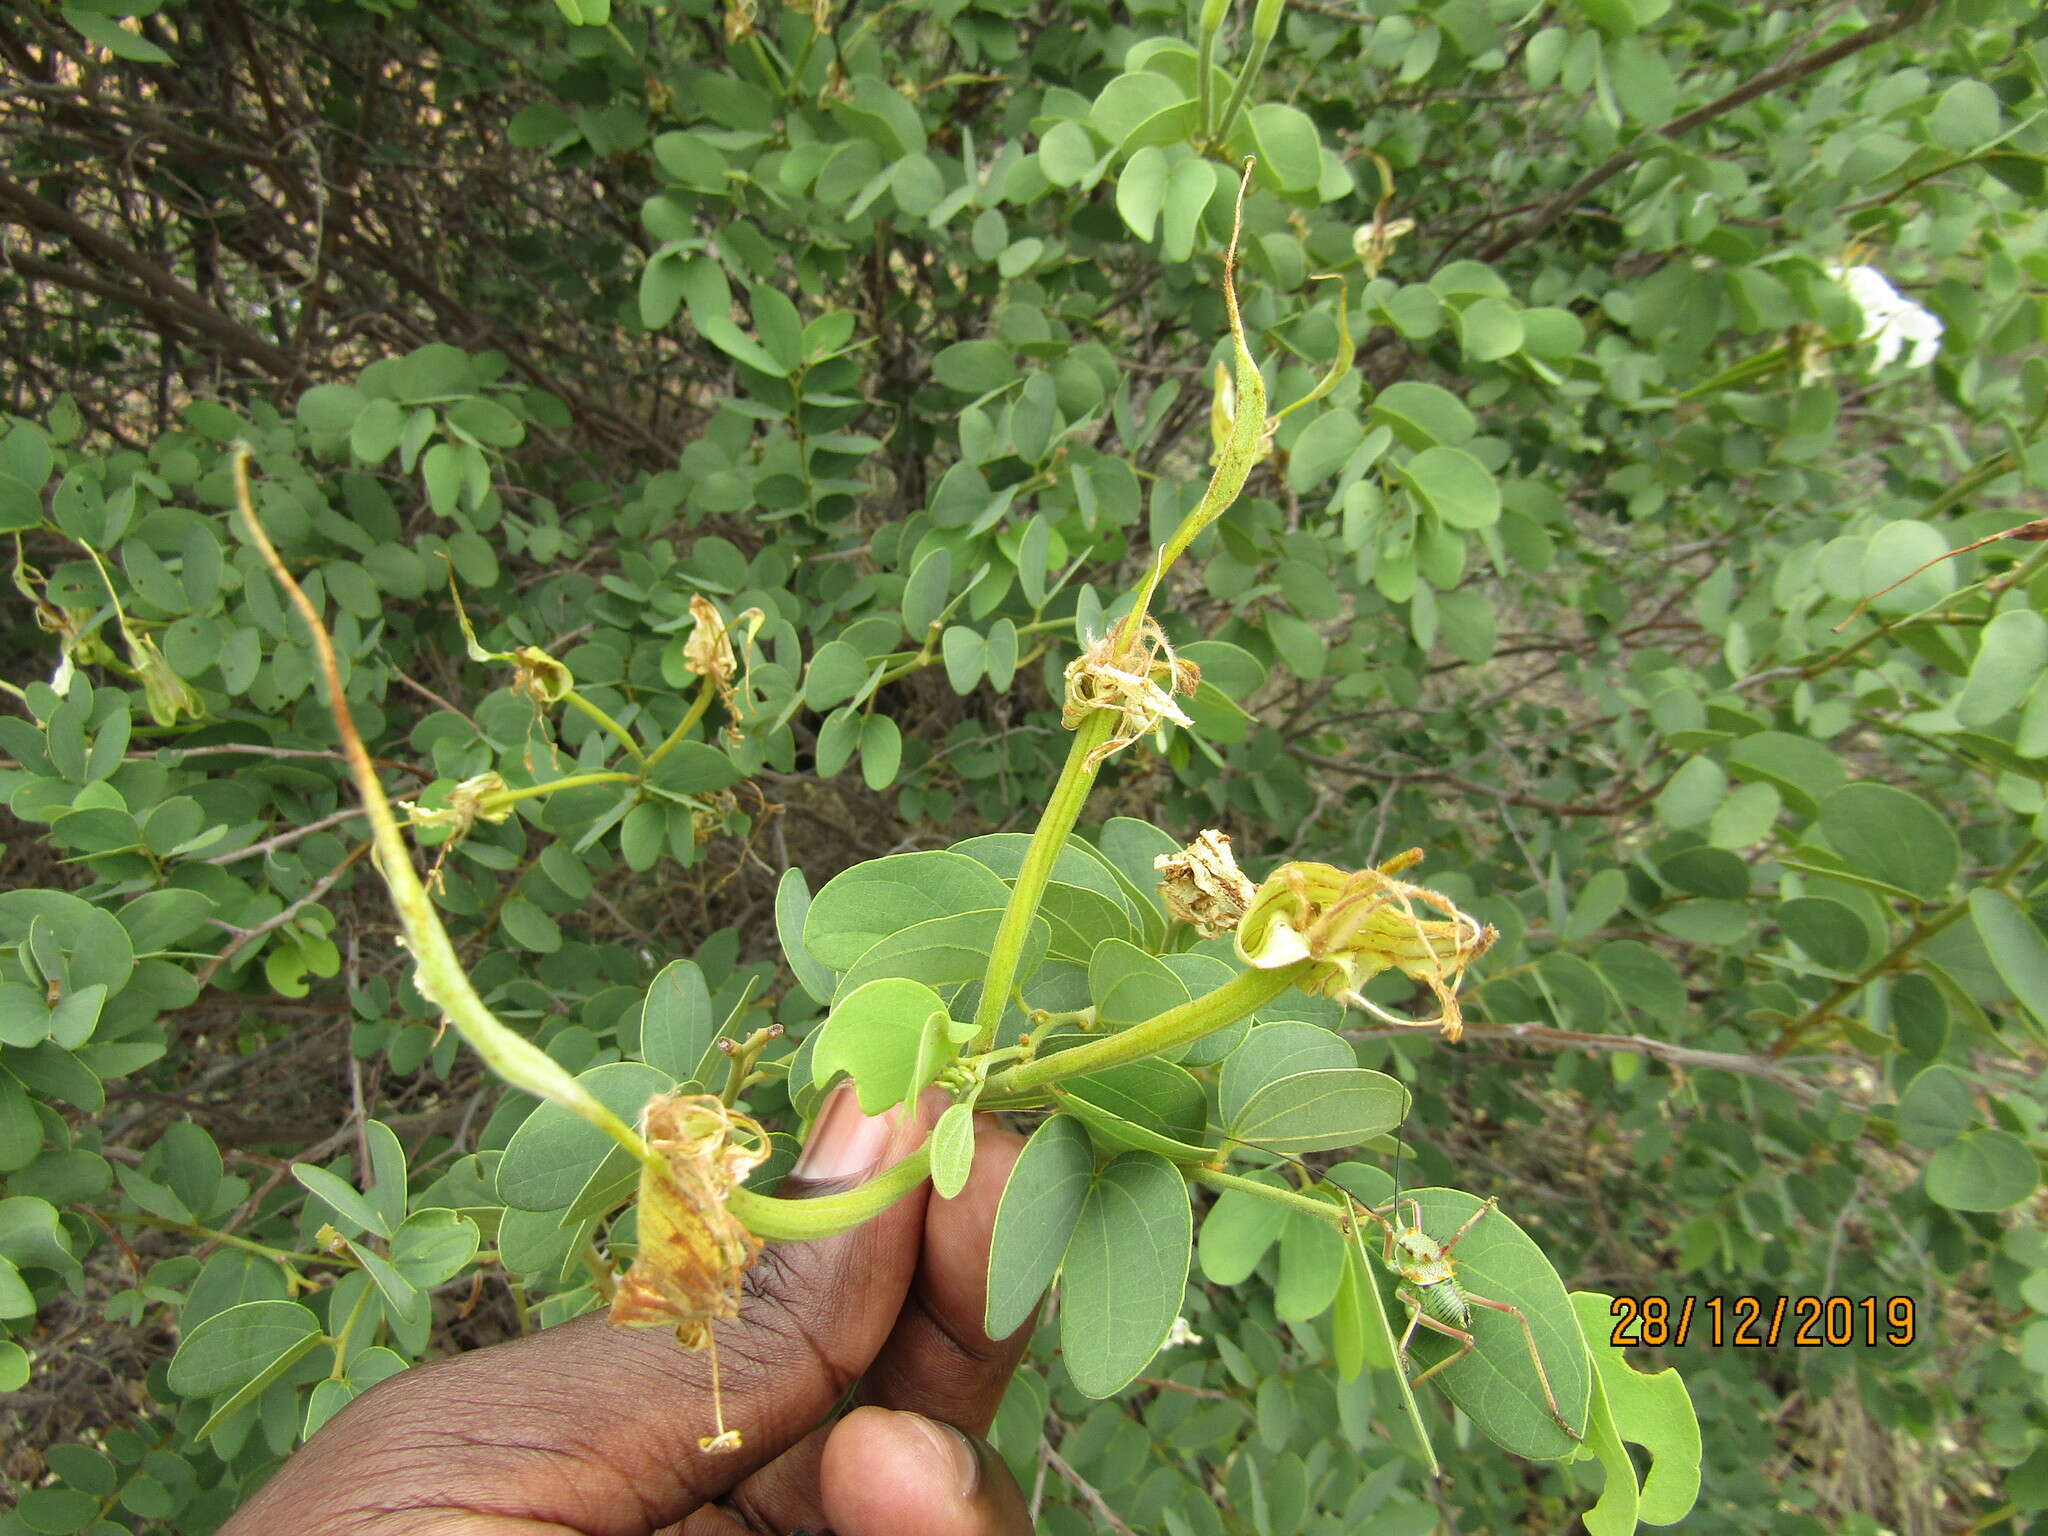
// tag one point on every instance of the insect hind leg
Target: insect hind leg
(1535, 1358)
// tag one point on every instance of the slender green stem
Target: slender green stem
(577, 702)
(280, 1256)
(697, 707)
(1308, 1205)
(1248, 990)
(1765, 362)
(1898, 956)
(438, 972)
(803, 60)
(1062, 810)
(500, 798)
(1205, 88)
(803, 1221)
(1265, 23)
(348, 1328)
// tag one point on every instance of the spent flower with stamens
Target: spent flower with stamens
(693, 1251)
(710, 651)
(1202, 885)
(1354, 926)
(1136, 683)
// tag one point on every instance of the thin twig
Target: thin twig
(1083, 1487)
(1545, 1037)
(1781, 74)
(286, 839)
(241, 938)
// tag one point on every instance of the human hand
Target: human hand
(591, 1428)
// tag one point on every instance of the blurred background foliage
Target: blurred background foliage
(897, 322)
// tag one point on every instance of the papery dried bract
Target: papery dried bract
(1355, 926)
(1202, 885)
(1136, 683)
(693, 1251)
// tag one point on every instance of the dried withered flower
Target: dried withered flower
(1358, 925)
(709, 652)
(1136, 684)
(693, 1250)
(1202, 885)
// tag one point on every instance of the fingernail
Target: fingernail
(844, 1144)
(953, 1446)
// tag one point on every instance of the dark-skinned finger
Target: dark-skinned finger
(593, 1428)
(900, 1474)
(938, 1361)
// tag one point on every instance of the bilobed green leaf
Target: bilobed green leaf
(924, 595)
(1892, 556)
(1831, 933)
(834, 675)
(1488, 329)
(1141, 191)
(239, 1345)
(1273, 1051)
(1892, 836)
(675, 1020)
(433, 1246)
(1497, 1385)
(1288, 147)
(1804, 771)
(553, 1153)
(1983, 1170)
(1935, 1107)
(1315, 1111)
(792, 908)
(1455, 486)
(1311, 1268)
(965, 653)
(1964, 116)
(1692, 795)
(2012, 655)
(1125, 1273)
(1238, 1230)
(1040, 1206)
(881, 751)
(877, 898)
(1149, 1105)
(974, 367)
(353, 1210)
(953, 1149)
(877, 1034)
(1423, 416)
(1652, 1408)
(2017, 949)
(1080, 919)
(1598, 900)
(1129, 986)
(945, 951)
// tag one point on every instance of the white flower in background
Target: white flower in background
(1891, 321)
(1180, 1333)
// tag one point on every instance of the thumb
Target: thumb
(594, 1428)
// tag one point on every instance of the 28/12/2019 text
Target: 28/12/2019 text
(1750, 1322)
